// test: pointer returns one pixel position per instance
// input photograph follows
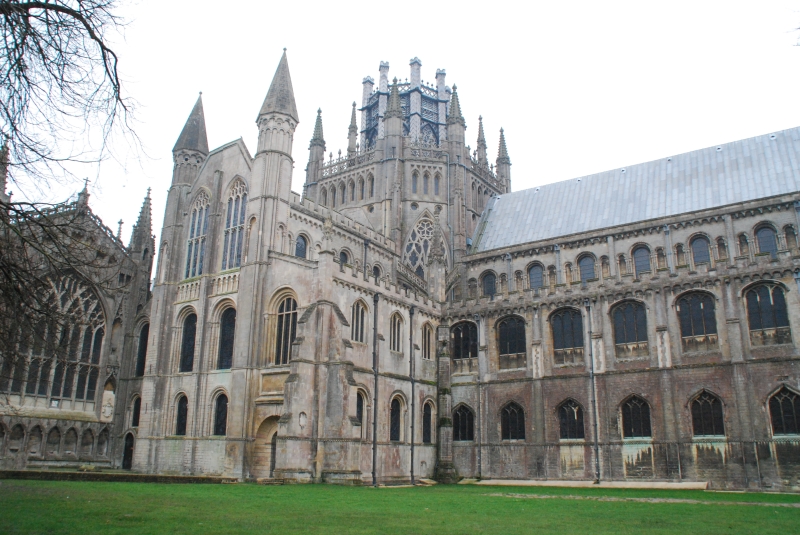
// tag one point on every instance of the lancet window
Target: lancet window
(198, 226)
(234, 227)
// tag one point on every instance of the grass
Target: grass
(141, 508)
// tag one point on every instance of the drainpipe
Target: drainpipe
(375, 299)
(477, 319)
(411, 372)
(594, 395)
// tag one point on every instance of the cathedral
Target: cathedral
(407, 316)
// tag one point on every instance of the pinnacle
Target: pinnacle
(193, 136)
(280, 97)
(393, 109)
(502, 152)
(318, 138)
(353, 126)
(481, 136)
(455, 109)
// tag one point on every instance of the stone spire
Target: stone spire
(316, 157)
(481, 142)
(280, 97)
(455, 117)
(318, 138)
(393, 109)
(502, 152)
(143, 229)
(352, 133)
(193, 135)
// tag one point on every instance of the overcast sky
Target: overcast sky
(579, 87)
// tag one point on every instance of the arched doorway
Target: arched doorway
(127, 455)
(264, 451)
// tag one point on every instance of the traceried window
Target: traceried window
(570, 420)
(221, 415)
(141, 350)
(427, 342)
(464, 340)
(698, 322)
(72, 347)
(463, 424)
(567, 326)
(586, 265)
(358, 322)
(512, 422)
(198, 226)
(707, 415)
(285, 330)
(641, 260)
(636, 418)
(767, 241)
(394, 420)
(536, 276)
(301, 247)
(489, 284)
(630, 329)
(227, 332)
(511, 342)
(418, 246)
(188, 342)
(396, 333)
(701, 253)
(234, 227)
(784, 411)
(766, 313)
(427, 423)
(181, 416)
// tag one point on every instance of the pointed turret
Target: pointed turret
(393, 117)
(352, 133)
(504, 163)
(193, 135)
(280, 97)
(191, 149)
(316, 156)
(482, 158)
(455, 121)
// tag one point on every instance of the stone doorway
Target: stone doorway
(264, 448)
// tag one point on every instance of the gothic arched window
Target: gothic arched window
(181, 416)
(360, 189)
(333, 196)
(187, 343)
(414, 178)
(136, 412)
(301, 247)
(436, 180)
(698, 322)
(489, 284)
(418, 247)
(358, 318)
(285, 330)
(701, 253)
(630, 329)
(641, 260)
(227, 331)
(767, 241)
(234, 227)
(198, 226)
(427, 342)
(221, 415)
(536, 276)
(371, 182)
(394, 420)
(376, 272)
(141, 350)
(766, 313)
(427, 423)
(586, 265)
(396, 333)
(512, 422)
(324, 200)
(463, 424)
(344, 258)
(352, 187)
(567, 327)
(464, 340)
(784, 411)
(425, 179)
(636, 418)
(570, 420)
(360, 404)
(707, 415)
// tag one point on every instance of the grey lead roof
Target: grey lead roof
(745, 170)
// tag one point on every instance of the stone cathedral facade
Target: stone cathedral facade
(409, 316)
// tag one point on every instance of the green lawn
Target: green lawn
(88, 508)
